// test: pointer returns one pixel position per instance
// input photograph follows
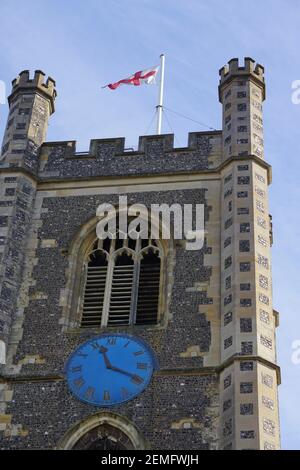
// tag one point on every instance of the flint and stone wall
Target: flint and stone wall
(216, 386)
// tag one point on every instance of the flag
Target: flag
(146, 77)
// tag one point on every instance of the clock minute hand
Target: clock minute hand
(117, 369)
(137, 378)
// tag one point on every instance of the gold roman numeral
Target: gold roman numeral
(89, 393)
(124, 393)
(136, 379)
(79, 382)
(80, 354)
(138, 353)
(111, 341)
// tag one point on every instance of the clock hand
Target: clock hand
(103, 351)
(133, 376)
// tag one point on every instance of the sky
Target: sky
(86, 44)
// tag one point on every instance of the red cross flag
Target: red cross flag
(143, 77)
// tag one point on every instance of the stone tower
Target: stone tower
(248, 319)
(207, 315)
(31, 102)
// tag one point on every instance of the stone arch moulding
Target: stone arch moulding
(98, 420)
(77, 253)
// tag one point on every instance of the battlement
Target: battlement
(23, 83)
(155, 155)
(153, 144)
(250, 68)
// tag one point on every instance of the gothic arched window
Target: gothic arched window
(122, 280)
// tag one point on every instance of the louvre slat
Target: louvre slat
(91, 295)
(97, 277)
(94, 295)
(93, 311)
(120, 300)
(147, 304)
(91, 317)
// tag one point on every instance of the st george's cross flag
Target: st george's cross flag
(143, 77)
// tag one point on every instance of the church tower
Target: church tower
(142, 343)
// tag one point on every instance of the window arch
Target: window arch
(103, 431)
(122, 283)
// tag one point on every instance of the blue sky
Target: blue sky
(86, 44)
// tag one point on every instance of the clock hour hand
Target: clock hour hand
(103, 351)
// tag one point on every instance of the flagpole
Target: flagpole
(159, 107)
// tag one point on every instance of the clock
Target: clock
(110, 369)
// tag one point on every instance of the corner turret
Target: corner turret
(31, 103)
(242, 92)
(250, 69)
(24, 84)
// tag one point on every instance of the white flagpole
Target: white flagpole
(159, 107)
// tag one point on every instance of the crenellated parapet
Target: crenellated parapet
(155, 154)
(250, 69)
(24, 84)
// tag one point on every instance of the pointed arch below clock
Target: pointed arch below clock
(102, 429)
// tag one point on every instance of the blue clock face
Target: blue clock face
(110, 369)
